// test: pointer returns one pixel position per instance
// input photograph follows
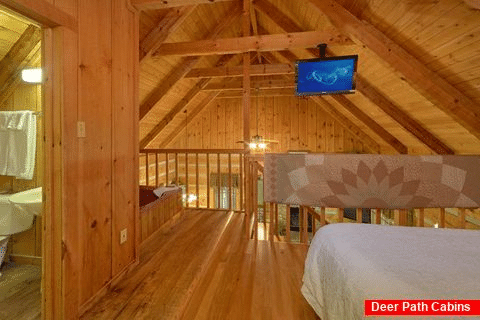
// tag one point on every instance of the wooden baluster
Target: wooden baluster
(166, 169)
(241, 180)
(323, 220)
(462, 218)
(247, 193)
(272, 222)
(176, 170)
(401, 217)
(156, 170)
(186, 178)
(276, 219)
(287, 212)
(421, 217)
(208, 181)
(378, 216)
(219, 182)
(230, 181)
(340, 214)
(359, 215)
(442, 218)
(196, 181)
(146, 170)
(304, 224)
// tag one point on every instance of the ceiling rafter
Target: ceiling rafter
(172, 20)
(445, 96)
(163, 4)
(184, 66)
(18, 53)
(179, 106)
(252, 43)
(237, 71)
(237, 84)
(407, 122)
(347, 124)
(372, 124)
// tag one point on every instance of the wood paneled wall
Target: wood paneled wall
(26, 247)
(296, 123)
(93, 179)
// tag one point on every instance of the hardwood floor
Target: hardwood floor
(20, 296)
(205, 268)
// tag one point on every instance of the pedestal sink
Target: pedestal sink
(29, 201)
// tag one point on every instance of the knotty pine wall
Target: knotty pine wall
(296, 123)
(26, 247)
(97, 176)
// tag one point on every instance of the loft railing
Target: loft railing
(280, 222)
(210, 178)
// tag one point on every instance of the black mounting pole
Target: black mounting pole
(322, 48)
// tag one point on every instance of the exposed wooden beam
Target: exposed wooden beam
(172, 20)
(261, 84)
(401, 117)
(261, 92)
(445, 96)
(185, 65)
(163, 4)
(237, 71)
(371, 144)
(253, 18)
(369, 122)
(17, 54)
(42, 12)
(179, 106)
(191, 116)
(252, 43)
(363, 86)
(246, 81)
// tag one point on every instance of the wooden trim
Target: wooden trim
(156, 170)
(162, 4)
(166, 168)
(287, 212)
(230, 181)
(359, 214)
(401, 117)
(186, 179)
(176, 168)
(42, 12)
(208, 180)
(378, 216)
(462, 218)
(240, 164)
(441, 223)
(323, 220)
(340, 214)
(237, 71)
(196, 181)
(219, 182)
(445, 96)
(421, 217)
(374, 126)
(252, 43)
(224, 151)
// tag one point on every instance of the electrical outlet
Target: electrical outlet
(81, 132)
(123, 236)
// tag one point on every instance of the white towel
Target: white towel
(18, 144)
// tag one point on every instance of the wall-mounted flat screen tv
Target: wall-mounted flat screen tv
(332, 75)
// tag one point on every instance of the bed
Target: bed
(348, 263)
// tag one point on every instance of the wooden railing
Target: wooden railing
(210, 178)
(272, 221)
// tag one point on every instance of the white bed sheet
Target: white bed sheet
(348, 263)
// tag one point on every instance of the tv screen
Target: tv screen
(326, 75)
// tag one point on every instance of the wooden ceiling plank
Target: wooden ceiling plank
(252, 43)
(164, 4)
(185, 66)
(347, 123)
(401, 117)
(363, 86)
(261, 84)
(369, 122)
(237, 71)
(18, 53)
(191, 116)
(43, 12)
(461, 108)
(179, 106)
(172, 20)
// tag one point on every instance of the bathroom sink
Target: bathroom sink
(29, 201)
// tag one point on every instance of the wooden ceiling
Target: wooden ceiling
(418, 72)
(19, 48)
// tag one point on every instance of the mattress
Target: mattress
(348, 263)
